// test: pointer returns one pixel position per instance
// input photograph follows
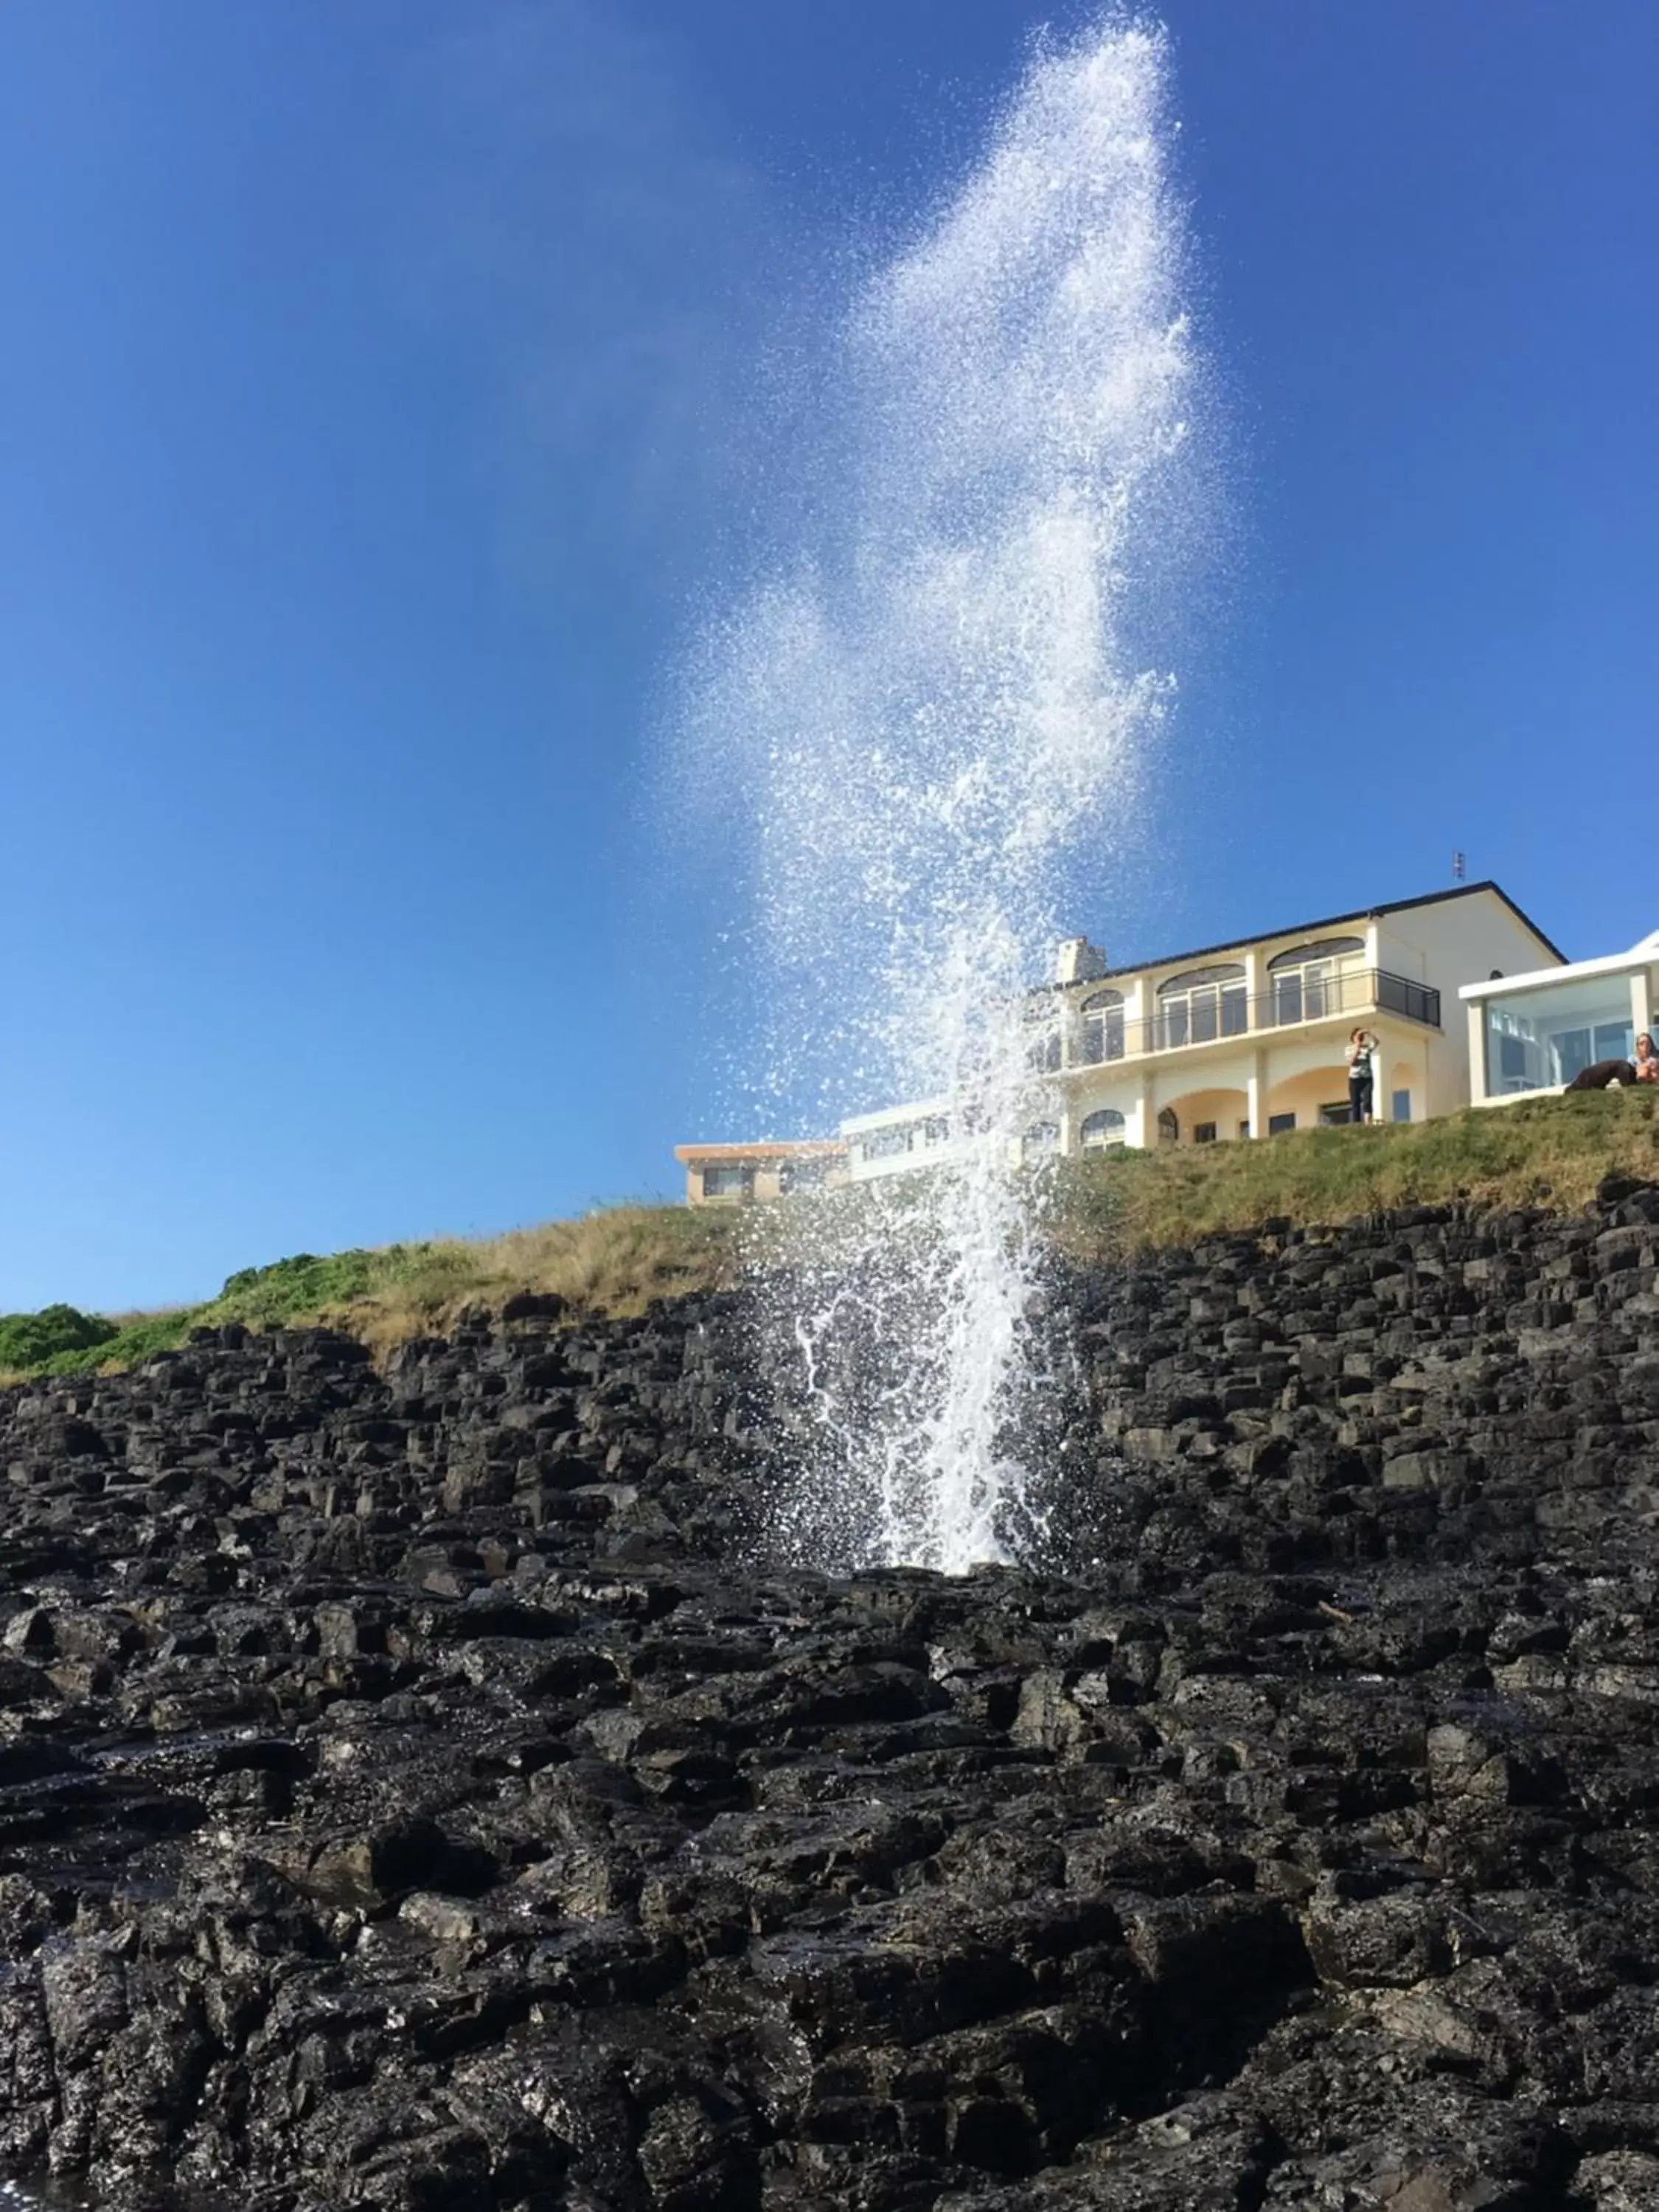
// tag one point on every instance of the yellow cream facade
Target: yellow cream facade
(1246, 1040)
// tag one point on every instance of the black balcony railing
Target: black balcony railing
(1217, 1013)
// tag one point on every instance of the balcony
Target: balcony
(1224, 1014)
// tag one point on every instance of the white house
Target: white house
(1533, 1032)
(1247, 1039)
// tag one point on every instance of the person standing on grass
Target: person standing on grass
(1362, 1052)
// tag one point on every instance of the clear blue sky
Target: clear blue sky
(374, 400)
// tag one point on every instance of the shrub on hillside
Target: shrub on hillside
(27, 1338)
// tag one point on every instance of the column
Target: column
(1476, 1011)
(1641, 1004)
(1255, 1095)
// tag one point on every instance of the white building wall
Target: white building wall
(1452, 942)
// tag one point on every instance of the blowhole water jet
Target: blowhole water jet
(941, 709)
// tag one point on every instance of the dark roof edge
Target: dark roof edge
(1330, 921)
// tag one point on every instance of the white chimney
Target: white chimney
(1077, 960)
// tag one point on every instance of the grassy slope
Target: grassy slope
(1548, 1152)
(613, 1261)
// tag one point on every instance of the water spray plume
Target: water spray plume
(942, 712)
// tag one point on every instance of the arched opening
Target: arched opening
(1102, 1028)
(1169, 1127)
(1311, 980)
(1210, 1116)
(1317, 1098)
(1202, 1003)
(1102, 1129)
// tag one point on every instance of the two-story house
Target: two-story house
(1245, 1039)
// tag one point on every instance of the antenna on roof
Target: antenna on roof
(1459, 867)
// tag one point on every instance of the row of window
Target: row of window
(735, 1179)
(1305, 984)
(894, 1137)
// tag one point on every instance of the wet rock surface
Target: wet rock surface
(414, 1795)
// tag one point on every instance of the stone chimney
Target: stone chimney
(1076, 961)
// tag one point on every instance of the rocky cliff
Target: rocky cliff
(415, 1795)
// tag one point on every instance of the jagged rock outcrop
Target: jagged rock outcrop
(416, 1793)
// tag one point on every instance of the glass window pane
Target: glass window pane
(1537, 1039)
(1102, 1128)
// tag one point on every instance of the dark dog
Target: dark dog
(1604, 1072)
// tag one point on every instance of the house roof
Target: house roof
(773, 1148)
(1325, 921)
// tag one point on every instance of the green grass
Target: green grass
(1548, 1153)
(614, 1260)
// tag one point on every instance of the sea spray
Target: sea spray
(937, 710)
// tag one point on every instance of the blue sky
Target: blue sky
(378, 403)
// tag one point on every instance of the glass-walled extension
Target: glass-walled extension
(1539, 1039)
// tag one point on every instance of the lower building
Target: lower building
(737, 1174)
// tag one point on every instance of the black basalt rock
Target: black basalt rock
(420, 1790)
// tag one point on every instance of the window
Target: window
(886, 1144)
(731, 1181)
(936, 1129)
(1169, 1127)
(1041, 1138)
(1104, 1128)
(1278, 1124)
(1201, 1003)
(1102, 1028)
(1538, 1039)
(1326, 977)
(1400, 1107)
(1244, 1129)
(809, 1174)
(1336, 1116)
(1204, 1133)
(1043, 1050)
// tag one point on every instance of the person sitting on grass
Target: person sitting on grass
(1362, 1050)
(1647, 1059)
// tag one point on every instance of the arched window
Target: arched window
(1202, 1003)
(1103, 1027)
(1099, 1130)
(1312, 981)
(1040, 1140)
(1169, 1127)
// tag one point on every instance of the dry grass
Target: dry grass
(614, 1262)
